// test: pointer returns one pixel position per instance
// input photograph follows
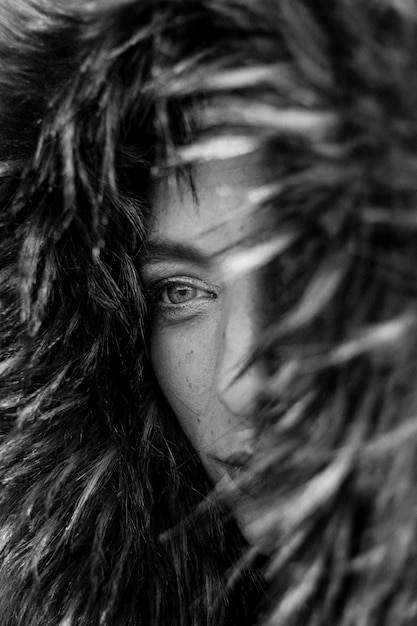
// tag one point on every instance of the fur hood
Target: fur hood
(92, 468)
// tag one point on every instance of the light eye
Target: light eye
(181, 293)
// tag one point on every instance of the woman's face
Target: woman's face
(205, 326)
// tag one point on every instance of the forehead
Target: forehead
(216, 216)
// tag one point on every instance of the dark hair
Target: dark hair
(103, 519)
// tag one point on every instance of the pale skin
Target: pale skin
(204, 326)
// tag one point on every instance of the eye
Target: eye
(180, 293)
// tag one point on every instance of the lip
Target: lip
(239, 458)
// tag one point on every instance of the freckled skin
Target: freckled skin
(195, 356)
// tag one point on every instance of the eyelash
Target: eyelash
(156, 290)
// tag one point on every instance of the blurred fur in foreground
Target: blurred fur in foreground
(330, 92)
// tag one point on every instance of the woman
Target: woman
(156, 122)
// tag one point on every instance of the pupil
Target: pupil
(180, 294)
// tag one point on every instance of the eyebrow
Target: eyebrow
(168, 249)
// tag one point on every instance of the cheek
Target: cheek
(184, 362)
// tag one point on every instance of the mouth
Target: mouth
(240, 458)
(235, 462)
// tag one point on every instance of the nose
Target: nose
(239, 384)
